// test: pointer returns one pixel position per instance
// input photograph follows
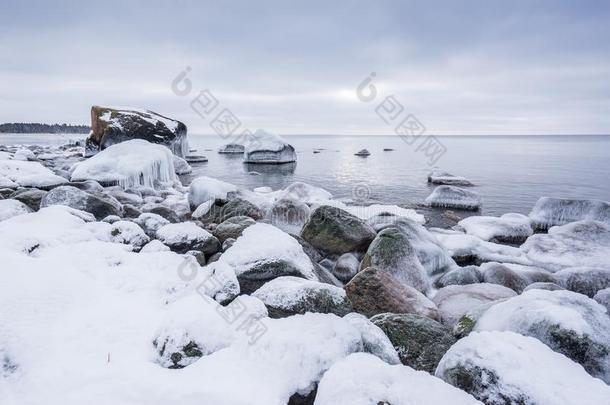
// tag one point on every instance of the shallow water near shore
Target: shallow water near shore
(510, 172)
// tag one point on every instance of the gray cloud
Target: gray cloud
(477, 67)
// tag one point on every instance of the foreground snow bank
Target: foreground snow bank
(362, 379)
(129, 164)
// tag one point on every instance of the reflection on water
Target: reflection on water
(283, 169)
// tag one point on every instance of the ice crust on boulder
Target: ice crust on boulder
(550, 211)
(10, 208)
(29, 174)
(264, 147)
(362, 379)
(204, 189)
(130, 164)
(232, 148)
(441, 177)
(505, 367)
(454, 197)
(582, 243)
(507, 228)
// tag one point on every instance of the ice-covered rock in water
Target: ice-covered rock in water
(151, 222)
(455, 301)
(204, 189)
(231, 148)
(232, 227)
(468, 249)
(460, 276)
(603, 298)
(99, 205)
(181, 166)
(550, 211)
(582, 243)
(584, 280)
(419, 341)
(110, 126)
(154, 246)
(509, 228)
(130, 164)
(568, 323)
(362, 379)
(363, 153)
(184, 236)
(502, 368)
(381, 215)
(440, 177)
(264, 147)
(346, 267)
(336, 231)
(10, 208)
(289, 295)
(128, 233)
(29, 174)
(196, 158)
(372, 292)
(263, 253)
(454, 197)
(374, 339)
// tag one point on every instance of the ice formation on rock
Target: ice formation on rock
(454, 197)
(440, 177)
(130, 164)
(264, 147)
(549, 211)
(507, 228)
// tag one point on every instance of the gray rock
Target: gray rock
(165, 212)
(30, 197)
(420, 342)
(232, 227)
(335, 231)
(99, 205)
(309, 250)
(227, 243)
(496, 273)
(585, 280)
(239, 207)
(129, 211)
(186, 236)
(391, 252)
(603, 298)
(460, 276)
(346, 267)
(544, 286)
(373, 292)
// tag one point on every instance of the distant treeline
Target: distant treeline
(35, 128)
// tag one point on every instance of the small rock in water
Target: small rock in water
(363, 153)
(196, 159)
(232, 148)
(438, 177)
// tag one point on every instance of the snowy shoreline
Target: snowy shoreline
(123, 284)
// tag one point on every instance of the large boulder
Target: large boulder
(289, 295)
(501, 368)
(335, 231)
(185, 236)
(374, 292)
(420, 342)
(391, 252)
(568, 323)
(110, 126)
(99, 205)
(264, 147)
(550, 212)
(455, 301)
(454, 197)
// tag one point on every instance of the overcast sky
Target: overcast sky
(480, 67)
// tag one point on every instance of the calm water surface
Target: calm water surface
(510, 173)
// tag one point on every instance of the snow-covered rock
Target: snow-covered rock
(24, 154)
(221, 283)
(264, 252)
(514, 276)
(549, 211)
(204, 189)
(232, 227)
(374, 339)
(362, 379)
(509, 228)
(7, 183)
(346, 267)
(151, 223)
(603, 298)
(289, 295)
(29, 174)
(181, 166)
(440, 177)
(460, 276)
(568, 323)
(110, 126)
(584, 280)
(154, 246)
(99, 205)
(508, 368)
(582, 243)
(184, 236)
(455, 301)
(10, 208)
(232, 148)
(264, 147)
(130, 164)
(454, 197)
(128, 233)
